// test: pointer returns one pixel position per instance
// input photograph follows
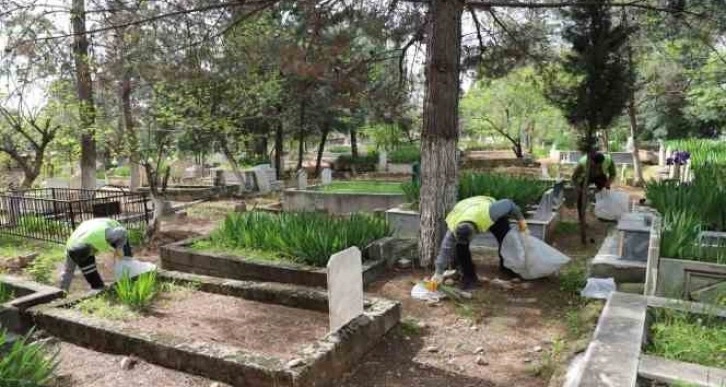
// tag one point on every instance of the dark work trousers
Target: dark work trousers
(83, 257)
(599, 180)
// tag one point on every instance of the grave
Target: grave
(634, 231)
(25, 294)
(616, 357)
(301, 176)
(326, 176)
(313, 358)
(382, 161)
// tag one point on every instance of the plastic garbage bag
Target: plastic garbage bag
(530, 257)
(420, 292)
(611, 205)
(598, 288)
(133, 266)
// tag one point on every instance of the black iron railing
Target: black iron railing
(51, 214)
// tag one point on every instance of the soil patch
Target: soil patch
(81, 367)
(266, 328)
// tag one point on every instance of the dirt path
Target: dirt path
(503, 337)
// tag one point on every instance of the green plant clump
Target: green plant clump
(362, 163)
(6, 293)
(699, 339)
(40, 226)
(522, 190)
(339, 149)
(405, 154)
(26, 364)
(309, 237)
(137, 293)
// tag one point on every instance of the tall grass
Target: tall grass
(703, 152)
(309, 237)
(6, 293)
(137, 293)
(26, 364)
(522, 190)
(699, 339)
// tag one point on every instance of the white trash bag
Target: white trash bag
(611, 205)
(530, 257)
(133, 266)
(598, 288)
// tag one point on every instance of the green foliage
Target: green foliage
(121, 171)
(362, 163)
(137, 293)
(26, 364)
(703, 152)
(573, 277)
(309, 237)
(105, 307)
(510, 107)
(410, 327)
(339, 149)
(405, 154)
(691, 338)
(363, 186)
(522, 190)
(44, 267)
(41, 226)
(6, 293)
(385, 136)
(136, 235)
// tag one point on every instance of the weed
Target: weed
(699, 339)
(573, 276)
(178, 287)
(137, 293)
(6, 293)
(410, 327)
(26, 364)
(565, 228)
(43, 267)
(105, 307)
(550, 360)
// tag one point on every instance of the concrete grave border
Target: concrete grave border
(614, 356)
(27, 294)
(318, 364)
(181, 257)
(314, 199)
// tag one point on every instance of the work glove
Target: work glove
(432, 284)
(522, 225)
(437, 278)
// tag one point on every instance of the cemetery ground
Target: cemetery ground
(509, 333)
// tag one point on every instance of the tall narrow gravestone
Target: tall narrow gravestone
(345, 287)
(302, 179)
(327, 176)
(382, 161)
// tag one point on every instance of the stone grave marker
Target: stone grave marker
(544, 209)
(544, 170)
(661, 154)
(327, 176)
(302, 179)
(382, 161)
(345, 287)
(262, 177)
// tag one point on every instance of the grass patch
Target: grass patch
(26, 364)
(410, 327)
(308, 237)
(208, 210)
(137, 293)
(6, 293)
(44, 267)
(565, 228)
(573, 276)
(550, 360)
(248, 254)
(405, 154)
(699, 339)
(363, 186)
(105, 307)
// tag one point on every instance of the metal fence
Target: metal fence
(51, 214)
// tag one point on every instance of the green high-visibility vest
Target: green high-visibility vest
(473, 210)
(93, 232)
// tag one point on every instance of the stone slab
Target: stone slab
(345, 287)
(313, 199)
(607, 263)
(612, 357)
(672, 371)
(26, 295)
(678, 278)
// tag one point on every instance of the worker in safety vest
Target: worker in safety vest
(90, 238)
(602, 174)
(470, 216)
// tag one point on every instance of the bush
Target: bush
(44, 266)
(339, 149)
(137, 293)
(26, 364)
(6, 293)
(406, 154)
(309, 237)
(121, 171)
(365, 163)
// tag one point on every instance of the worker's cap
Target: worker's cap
(116, 237)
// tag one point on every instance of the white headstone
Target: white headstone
(545, 171)
(262, 177)
(327, 176)
(382, 161)
(630, 145)
(345, 287)
(661, 154)
(544, 209)
(302, 179)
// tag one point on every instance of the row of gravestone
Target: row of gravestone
(301, 178)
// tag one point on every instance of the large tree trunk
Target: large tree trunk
(637, 167)
(354, 143)
(321, 149)
(279, 149)
(132, 140)
(87, 112)
(229, 155)
(440, 125)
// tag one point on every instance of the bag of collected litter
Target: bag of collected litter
(420, 292)
(133, 267)
(598, 288)
(530, 257)
(611, 205)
